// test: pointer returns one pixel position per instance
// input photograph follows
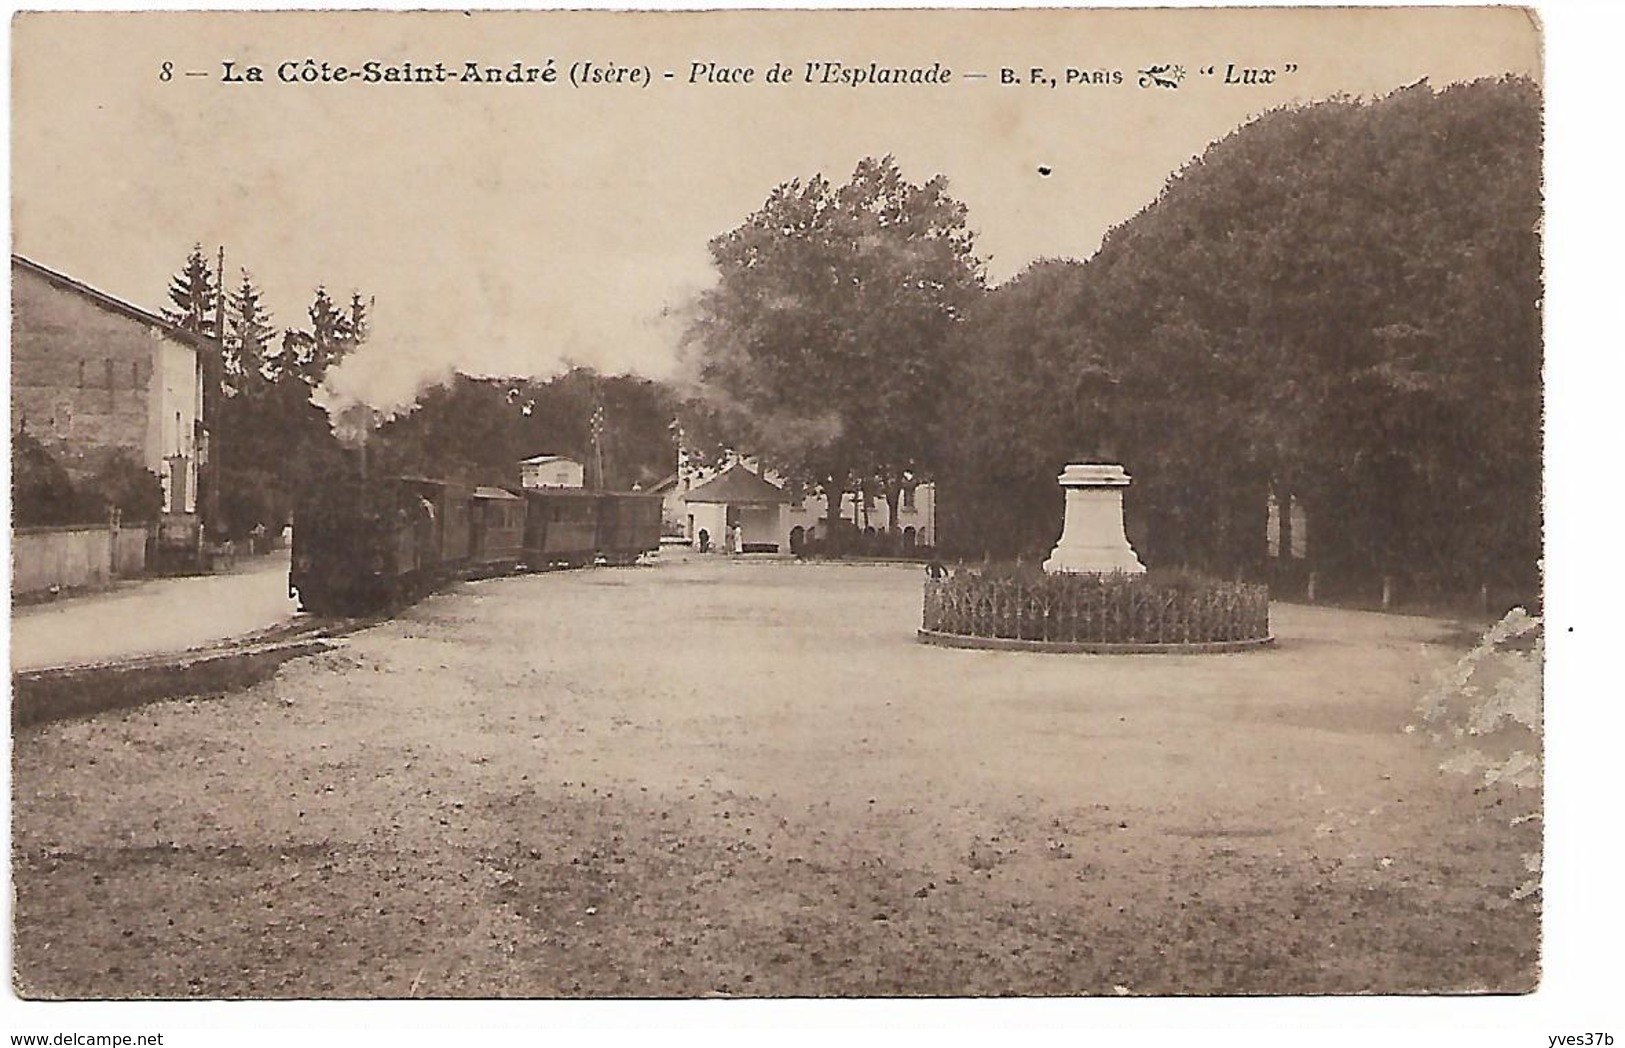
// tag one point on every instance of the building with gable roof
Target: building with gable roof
(737, 502)
(775, 517)
(93, 376)
(551, 471)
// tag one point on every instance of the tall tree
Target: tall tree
(357, 318)
(1338, 302)
(249, 337)
(194, 295)
(1031, 392)
(307, 354)
(271, 438)
(823, 345)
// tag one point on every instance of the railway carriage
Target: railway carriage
(446, 543)
(367, 545)
(561, 528)
(497, 531)
(628, 526)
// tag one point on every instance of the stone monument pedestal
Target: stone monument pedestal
(1092, 538)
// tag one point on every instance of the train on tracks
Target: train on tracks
(367, 546)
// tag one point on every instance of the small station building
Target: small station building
(738, 499)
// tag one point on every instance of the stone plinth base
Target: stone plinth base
(1092, 538)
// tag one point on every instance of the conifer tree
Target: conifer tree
(309, 353)
(360, 316)
(248, 337)
(193, 294)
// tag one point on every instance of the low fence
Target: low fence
(49, 559)
(1110, 609)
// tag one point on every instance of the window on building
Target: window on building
(908, 496)
(81, 374)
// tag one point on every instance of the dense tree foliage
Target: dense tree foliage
(266, 436)
(271, 440)
(1033, 388)
(1340, 302)
(43, 492)
(123, 484)
(822, 348)
(478, 429)
(307, 354)
(250, 334)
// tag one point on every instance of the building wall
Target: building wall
(559, 473)
(674, 509)
(711, 518)
(129, 551)
(177, 405)
(774, 524)
(88, 382)
(1300, 529)
(920, 515)
(763, 525)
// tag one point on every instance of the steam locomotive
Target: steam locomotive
(364, 546)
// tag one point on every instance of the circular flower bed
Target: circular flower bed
(1095, 613)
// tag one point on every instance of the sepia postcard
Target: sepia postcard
(776, 504)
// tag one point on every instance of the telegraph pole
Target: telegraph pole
(213, 366)
(597, 426)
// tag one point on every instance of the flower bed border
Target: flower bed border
(1069, 647)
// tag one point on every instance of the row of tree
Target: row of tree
(1338, 304)
(266, 436)
(478, 429)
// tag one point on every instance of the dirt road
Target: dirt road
(725, 778)
(152, 616)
